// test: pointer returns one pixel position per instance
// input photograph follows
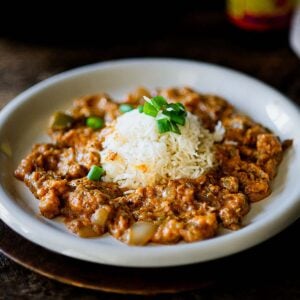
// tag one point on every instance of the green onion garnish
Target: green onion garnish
(95, 173)
(178, 107)
(94, 122)
(150, 110)
(124, 108)
(174, 128)
(177, 118)
(141, 108)
(163, 125)
(168, 115)
(158, 102)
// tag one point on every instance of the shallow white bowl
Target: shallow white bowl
(24, 121)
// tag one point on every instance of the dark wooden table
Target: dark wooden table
(199, 35)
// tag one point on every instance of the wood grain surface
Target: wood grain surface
(204, 36)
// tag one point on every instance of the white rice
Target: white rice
(135, 154)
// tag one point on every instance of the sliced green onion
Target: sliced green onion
(174, 128)
(181, 106)
(177, 118)
(163, 125)
(124, 108)
(141, 108)
(177, 107)
(95, 173)
(168, 115)
(147, 99)
(94, 122)
(162, 115)
(159, 102)
(150, 110)
(173, 107)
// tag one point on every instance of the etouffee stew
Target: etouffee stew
(172, 211)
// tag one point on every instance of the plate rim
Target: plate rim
(292, 210)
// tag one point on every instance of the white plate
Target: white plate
(24, 121)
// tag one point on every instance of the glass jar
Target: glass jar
(260, 15)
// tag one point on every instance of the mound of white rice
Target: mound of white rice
(135, 154)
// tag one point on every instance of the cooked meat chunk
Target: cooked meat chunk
(136, 97)
(230, 183)
(268, 144)
(200, 227)
(95, 105)
(50, 189)
(234, 207)
(168, 232)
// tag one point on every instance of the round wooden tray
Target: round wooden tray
(236, 269)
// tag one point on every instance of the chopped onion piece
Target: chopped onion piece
(86, 232)
(100, 216)
(140, 233)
